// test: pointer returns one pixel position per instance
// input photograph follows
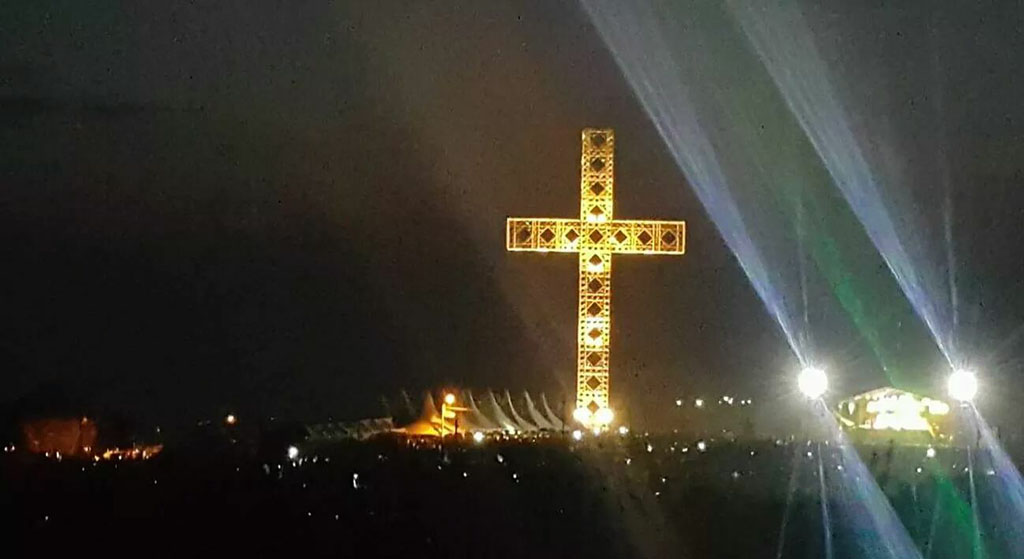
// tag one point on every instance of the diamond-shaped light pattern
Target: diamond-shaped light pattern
(571, 235)
(547, 235)
(594, 334)
(594, 358)
(594, 309)
(594, 285)
(596, 236)
(593, 406)
(593, 383)
(669, 238)
(644, 237)
(595, 260)
(596, 188)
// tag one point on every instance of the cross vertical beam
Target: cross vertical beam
(593, 342)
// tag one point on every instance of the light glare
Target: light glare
(812, 382)
(604, 416)
(581, 415)
(963, 385)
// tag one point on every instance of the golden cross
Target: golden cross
(595, 236)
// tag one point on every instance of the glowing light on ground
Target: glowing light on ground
(812, 382)
(963, 385)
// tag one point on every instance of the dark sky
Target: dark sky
(292, 208)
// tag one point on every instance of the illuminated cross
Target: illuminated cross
(595, 236)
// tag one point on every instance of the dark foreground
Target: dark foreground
(615, 498)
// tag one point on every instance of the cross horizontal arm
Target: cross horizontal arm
(615, 236)
(543, 234)
(640, 236)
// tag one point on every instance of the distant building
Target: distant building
(889, 414)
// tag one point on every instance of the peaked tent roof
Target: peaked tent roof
(523, 424)
(535, 416)
(553, 418)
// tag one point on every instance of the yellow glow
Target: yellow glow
(603, 416)
(895, 410)
(449, 398)
(597, 183)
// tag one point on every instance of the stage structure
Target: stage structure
(595, 236)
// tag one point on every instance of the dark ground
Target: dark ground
(550, 498)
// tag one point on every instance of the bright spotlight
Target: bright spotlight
(231, 419)
(581, 415)
(478, 437)
(577, 435)
(930, 453)
(623, 430)
(812, 382)
(963, 385)
(449, 398)
(603, 416)
(293, 452)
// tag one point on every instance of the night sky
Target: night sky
(293, 208)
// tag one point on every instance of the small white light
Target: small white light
(293, 452)
(930, 453)
(577, 435)
(963, 385)
(478, 437)
(702, 446)
(679, 403)
(604, 416)
(812, 382)
(623, 430)
(699, 402)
